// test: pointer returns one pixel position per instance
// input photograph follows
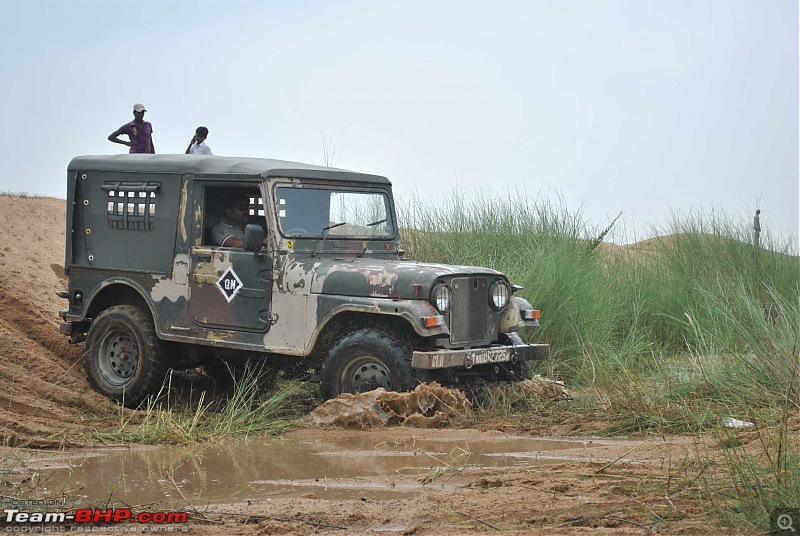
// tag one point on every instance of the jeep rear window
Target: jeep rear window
(337, 213)
(131, 205)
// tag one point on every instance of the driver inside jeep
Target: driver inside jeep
(229, 233)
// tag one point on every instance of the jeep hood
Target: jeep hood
(383, 278)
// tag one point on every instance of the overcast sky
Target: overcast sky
(644, 107)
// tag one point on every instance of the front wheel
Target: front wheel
(123, 357)
(366, 360)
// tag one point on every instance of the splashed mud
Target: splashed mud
(427, 406)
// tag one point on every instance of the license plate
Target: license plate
(491, 356)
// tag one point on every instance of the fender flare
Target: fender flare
(124, 282)
(411, 311)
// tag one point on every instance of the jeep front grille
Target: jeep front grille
(470, 308)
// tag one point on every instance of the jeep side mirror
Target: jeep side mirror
(253, 237)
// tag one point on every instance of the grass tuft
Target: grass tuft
(169, 418)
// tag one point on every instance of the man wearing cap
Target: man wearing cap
(139, 131)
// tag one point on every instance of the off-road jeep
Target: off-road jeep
(321, 281)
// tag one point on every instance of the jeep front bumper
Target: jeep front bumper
(439, 359)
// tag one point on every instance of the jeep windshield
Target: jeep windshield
(316, 212)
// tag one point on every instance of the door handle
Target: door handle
(204, 257)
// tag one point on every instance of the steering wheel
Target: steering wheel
(297, 230)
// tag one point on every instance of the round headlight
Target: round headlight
(499, 295)
(441, 298)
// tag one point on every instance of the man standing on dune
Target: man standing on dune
(757, 228)
(139, 131)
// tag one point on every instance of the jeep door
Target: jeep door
(231, 288)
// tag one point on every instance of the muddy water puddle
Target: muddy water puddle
(335, 465)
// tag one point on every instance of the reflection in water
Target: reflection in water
(352, 466)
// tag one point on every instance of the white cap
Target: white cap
(139, 107)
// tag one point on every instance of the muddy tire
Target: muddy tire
(123, 357)
(366, 360)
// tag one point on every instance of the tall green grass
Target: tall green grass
(704, 292)
(672, 334)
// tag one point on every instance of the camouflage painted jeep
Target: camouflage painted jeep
(320, 283)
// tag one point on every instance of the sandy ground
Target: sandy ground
(46, 402)
(585, 495)
(44, 397)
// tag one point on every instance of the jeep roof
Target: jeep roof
(216, 165)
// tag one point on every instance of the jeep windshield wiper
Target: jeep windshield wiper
(374, 226)
(324, 238)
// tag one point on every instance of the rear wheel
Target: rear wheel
(366, 360)
(123, 357)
